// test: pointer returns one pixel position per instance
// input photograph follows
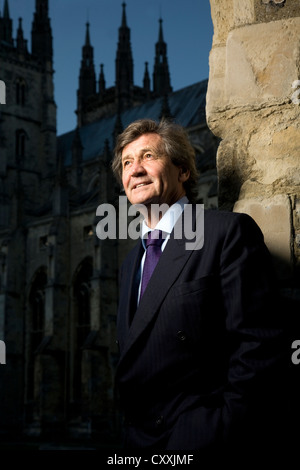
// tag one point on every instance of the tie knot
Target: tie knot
(154, 238)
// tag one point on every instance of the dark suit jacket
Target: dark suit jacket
(199, 357)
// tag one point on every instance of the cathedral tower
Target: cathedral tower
(41, 34)
(95, 100)
(6, 26)
(28, 157)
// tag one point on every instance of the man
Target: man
(199, 348)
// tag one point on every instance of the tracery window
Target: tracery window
(36, 325)
(21, 91)
(81, 324)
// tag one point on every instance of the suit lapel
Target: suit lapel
(166, 272)
(129, 286)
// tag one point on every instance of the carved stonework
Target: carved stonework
(253, 106)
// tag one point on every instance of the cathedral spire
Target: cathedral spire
(6, 26)
(87, 76)
(41, 33)
(124, 65)
(160, 33)
(6, 10)
(124, 22)
(21, 42)
(87, 79)
(87, 35)
(161, 76)
(101, 81)
(146, 82)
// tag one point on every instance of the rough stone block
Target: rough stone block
(273, 215)
(262, 63)
(243, 12)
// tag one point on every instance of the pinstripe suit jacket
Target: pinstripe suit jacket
(198, 355)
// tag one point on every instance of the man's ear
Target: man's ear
(184, 174)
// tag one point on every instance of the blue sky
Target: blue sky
(187, 29)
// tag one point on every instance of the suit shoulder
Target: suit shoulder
(225, 222)
(228, 217)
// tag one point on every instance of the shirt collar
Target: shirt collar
(168, 220)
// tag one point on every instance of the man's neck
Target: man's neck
(155, 212)
(168, 215)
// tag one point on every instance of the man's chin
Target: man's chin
(142, 199)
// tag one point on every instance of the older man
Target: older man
(198, 332)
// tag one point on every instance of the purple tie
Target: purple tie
(153, 252)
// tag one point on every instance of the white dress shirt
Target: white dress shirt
(166, 225)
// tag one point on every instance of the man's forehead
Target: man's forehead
(143, 143)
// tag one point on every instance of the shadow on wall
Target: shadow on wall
(289, 298)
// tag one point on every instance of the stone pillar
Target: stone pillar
(253, 105)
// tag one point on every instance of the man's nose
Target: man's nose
(137, 168)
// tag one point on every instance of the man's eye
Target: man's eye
(126, 163)
(148, 155)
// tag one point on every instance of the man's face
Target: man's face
(149, 176)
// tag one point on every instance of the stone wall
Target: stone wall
(253, 105)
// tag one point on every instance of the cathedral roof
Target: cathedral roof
(187, 107)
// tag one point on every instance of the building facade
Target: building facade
(58, 280)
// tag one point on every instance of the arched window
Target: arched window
(21, 91)
(83, 312)
(21, 138)
(36, 324)
(38, 317)
(81, 325)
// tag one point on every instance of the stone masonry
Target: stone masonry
(253, 105)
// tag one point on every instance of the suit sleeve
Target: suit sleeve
(255, 336)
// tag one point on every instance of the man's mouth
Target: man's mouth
(139, 185)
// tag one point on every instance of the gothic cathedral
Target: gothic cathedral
(58, 280)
